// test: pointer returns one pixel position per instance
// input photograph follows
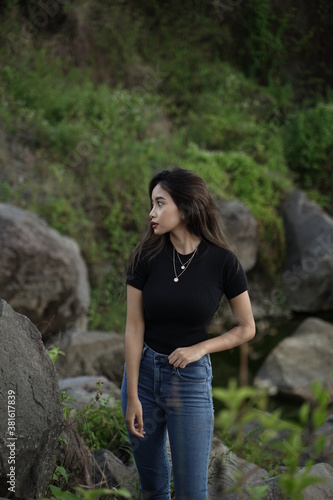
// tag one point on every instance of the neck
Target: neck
(184, 242)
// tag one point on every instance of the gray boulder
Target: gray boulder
(92, 353)
(299, 360)
(29, 390)
(243, 230)
(42, 273)
(228, 471)
(308, 277)
(110, 472)
(83, 389)
(322, 490)
(75, 456)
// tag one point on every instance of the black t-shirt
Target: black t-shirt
(178, 314)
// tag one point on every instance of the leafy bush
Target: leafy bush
(82, 494)
(272, 443)
(95, 150)
(102, 426)
(308, 142)
(237, 175)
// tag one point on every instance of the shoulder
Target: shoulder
(224, 256)
(231, 273)
(140, 264)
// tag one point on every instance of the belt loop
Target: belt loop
(145, 347)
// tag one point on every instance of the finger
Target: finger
(171, 358)
(130, 426)
(175, 362)
(138, 434)
(135, 430)
(139, 426)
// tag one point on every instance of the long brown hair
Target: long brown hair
(192, 197)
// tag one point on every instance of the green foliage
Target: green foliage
(95, 495)
(96, 151)
(59, 473)
(239, 117)
(272, 443)
(102, 426)
(58, 494)
(257, 492)
(66, 401)
(237, 175)
(59, 482)
(266, 49)
(100, 422)
(308, 141)
(54, 353)
(295, 484)
(275, 44)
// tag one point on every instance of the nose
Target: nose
(152, 213)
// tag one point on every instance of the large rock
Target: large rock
(110, 472)
(75, 457)
(84, 389)
(299, 360)
(243, 230)
(322, 490)
(28, 374)
(92, 353)
(308, 278)
(42, 273)
(226, 470)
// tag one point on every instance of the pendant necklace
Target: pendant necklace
(184, 266)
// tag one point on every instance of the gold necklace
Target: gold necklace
(184, 266)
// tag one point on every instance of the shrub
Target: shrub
(237, 175)
(308, 143)
(102, 426)
(269, 441)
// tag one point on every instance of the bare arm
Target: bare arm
(134, 335)
(242, 332)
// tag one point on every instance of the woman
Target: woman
(176, 278)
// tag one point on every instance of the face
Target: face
(165, 215)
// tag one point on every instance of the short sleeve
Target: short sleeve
(137, 277)
(234, 277)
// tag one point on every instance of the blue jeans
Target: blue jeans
(177, 400)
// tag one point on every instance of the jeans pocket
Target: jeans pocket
(195, 373)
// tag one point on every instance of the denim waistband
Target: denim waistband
(164, 358)
(157, 356)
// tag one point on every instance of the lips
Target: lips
(154, 225)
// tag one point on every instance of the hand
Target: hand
(182, 356)
(134, 419)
